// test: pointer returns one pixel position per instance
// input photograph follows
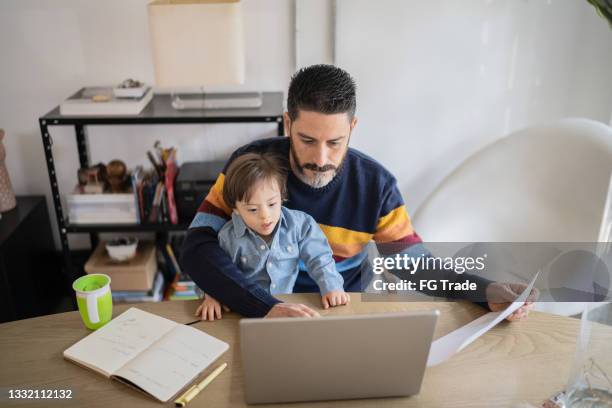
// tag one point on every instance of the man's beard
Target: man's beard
(321, 176)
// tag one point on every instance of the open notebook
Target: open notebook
(154, 355)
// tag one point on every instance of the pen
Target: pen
(195, 390)
(156, 166)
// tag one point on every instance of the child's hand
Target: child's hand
(335, 298)
(209, 309)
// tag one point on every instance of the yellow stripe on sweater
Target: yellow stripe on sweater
(345, 242)
(394, 226)
(215, 195)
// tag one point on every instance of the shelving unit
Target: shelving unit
(158, 111)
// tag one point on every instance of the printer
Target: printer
(192, 185)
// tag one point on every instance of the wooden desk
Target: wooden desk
(515, 362)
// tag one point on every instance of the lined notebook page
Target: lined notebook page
(123, 338)
(173, 361)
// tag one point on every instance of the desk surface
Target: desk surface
(525, 361)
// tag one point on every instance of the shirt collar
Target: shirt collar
(240, 227)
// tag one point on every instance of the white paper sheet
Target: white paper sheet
(446, 346)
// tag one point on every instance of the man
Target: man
(353, 198)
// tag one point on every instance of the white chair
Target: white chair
(545, 183)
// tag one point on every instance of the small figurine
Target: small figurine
(7, 195)
(117, 171)
(93, 180)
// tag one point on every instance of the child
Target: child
(266, 240)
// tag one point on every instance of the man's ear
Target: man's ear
(354, 123)
(287, 123)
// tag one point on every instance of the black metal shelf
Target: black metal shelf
(151, 227)
(158, 111)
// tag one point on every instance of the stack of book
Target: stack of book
(155, 294)
(134, 280)
(182, 287)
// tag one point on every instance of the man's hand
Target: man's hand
(501, 295)
(335, 298)
(291, 310)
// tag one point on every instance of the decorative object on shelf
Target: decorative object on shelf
(7, 195)
(117, 172)
(93, 180)
(198, 43)
(122, 249)
(130, 88)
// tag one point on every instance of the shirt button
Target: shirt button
(243, 259)
(262, 247)
(289, 248)
(273, 285)
(269, 264)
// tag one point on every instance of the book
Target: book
(149, 353)
(155, 214)
(175, 264)
(163, 207)
(148, 193)
(136, 178)
(132, 296)
(170, 175)
(190, 295)
(101, 101)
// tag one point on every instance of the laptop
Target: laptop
(335, 357)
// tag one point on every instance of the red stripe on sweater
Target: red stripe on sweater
(207, 207)
(390, 248)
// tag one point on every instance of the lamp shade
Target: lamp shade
(197, 43)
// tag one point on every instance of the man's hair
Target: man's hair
(321, 88)
(249, 169)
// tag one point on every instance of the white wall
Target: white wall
(314, 32)
(439, 79)
(49, 49)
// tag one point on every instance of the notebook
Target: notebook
(154, 355)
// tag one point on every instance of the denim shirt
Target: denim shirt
(274, 267)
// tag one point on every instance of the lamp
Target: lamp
(199, 43)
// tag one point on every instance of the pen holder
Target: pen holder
(94, 299)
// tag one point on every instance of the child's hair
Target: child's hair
(246, 170)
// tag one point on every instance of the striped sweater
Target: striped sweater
(362, 203)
